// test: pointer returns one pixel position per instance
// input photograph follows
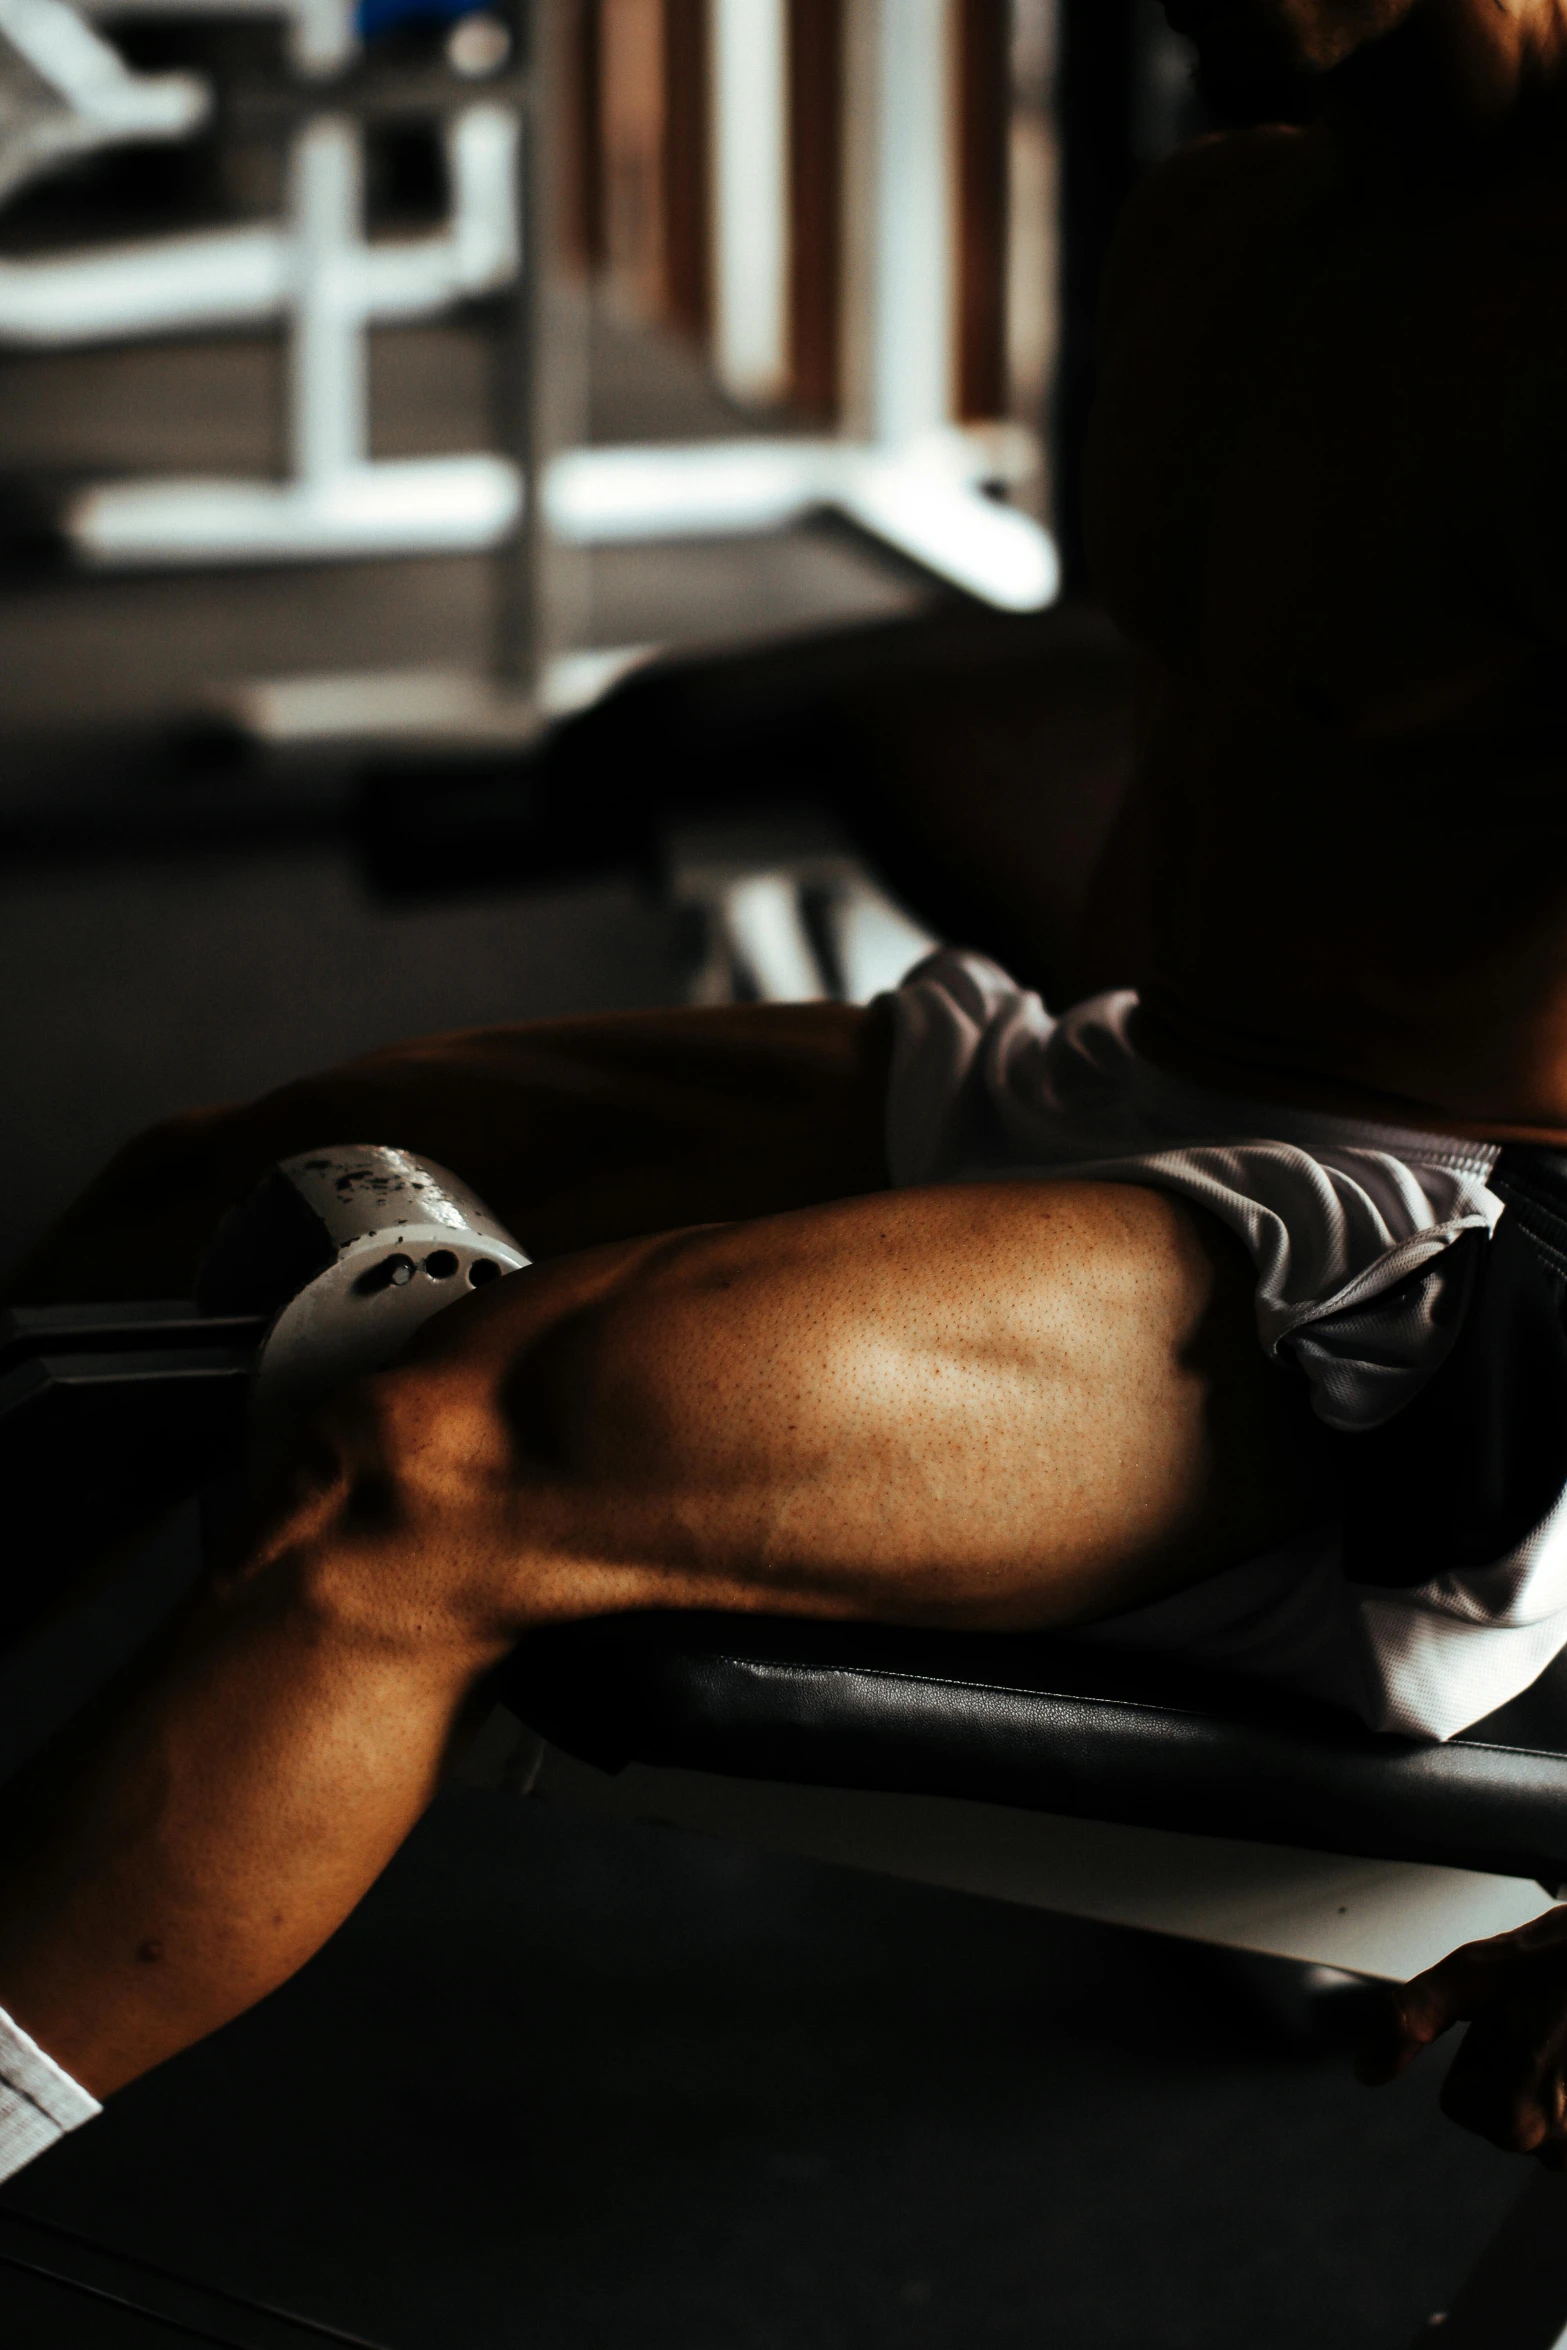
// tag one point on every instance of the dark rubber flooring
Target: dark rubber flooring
(579, 2087)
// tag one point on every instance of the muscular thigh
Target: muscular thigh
(1007, 1405)
(574, 1131)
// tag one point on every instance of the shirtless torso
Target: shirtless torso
(1327, 498)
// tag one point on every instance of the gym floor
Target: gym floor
(561, 2083)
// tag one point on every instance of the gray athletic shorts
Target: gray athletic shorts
(1440, 1590)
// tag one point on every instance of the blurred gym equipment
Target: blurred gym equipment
(319, 274)
(974, 763)
(65, 92)
(313, 270)
(911, 475)
(790, 169)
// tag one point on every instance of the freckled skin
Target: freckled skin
(1008, 1405)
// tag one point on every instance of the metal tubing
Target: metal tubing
(329, 390)
(936, 513)
(911, 359)
(246, 277)
(751, 196)
(230, 277)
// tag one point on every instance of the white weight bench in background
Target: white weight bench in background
(909, 474)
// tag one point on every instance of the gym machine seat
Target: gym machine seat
(1048, 1725)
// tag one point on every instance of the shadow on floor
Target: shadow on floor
(575, 2084)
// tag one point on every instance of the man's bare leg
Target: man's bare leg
(1014, 1405)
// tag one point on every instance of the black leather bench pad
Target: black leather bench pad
(1047, 1725)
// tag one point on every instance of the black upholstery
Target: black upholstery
(1048, 1725)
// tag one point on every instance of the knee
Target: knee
(386, 1524)
(496, 1477)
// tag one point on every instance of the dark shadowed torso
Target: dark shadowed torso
(1328, 500)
